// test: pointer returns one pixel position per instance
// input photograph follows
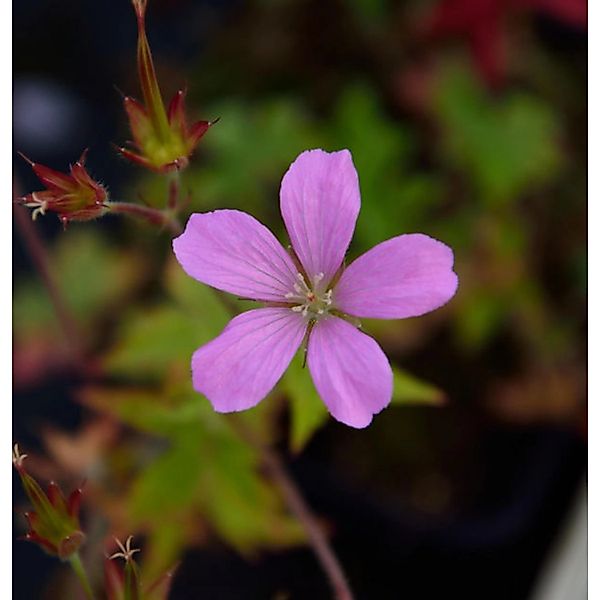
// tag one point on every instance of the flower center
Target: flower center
(310, 299)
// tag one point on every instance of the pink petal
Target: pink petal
(350, 371)
(233, 252)
(406, 276)
(320, 200)
(236, 370)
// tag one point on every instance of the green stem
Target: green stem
(77, 566)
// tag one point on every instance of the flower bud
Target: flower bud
(162, 139)
(54, 524)
(73, 197)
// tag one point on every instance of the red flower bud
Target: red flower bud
(73, 197)
(54, 525)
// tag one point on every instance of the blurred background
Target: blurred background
(467, 121)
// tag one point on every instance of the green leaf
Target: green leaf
(170, 482)
(507, 146)
(410, 390)
(308, 412)
(153, 341)
(198, 299)
(162, 339)
(207, 470)
(370, 10)
(238, 502)
(381, 149)
(152, 411)
(254, 146)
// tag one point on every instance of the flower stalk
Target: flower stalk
(321, 547)
(78, 568)
(163, 139)
(166, 219)
(292, 495)
(38, 253)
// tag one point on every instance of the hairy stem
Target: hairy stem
(276, 470)
(154, 216)
(39, 256)
(77, 566)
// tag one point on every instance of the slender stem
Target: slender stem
(295, 501)
(174, 184)
(77, 566)
(163, 218)
(39, 256)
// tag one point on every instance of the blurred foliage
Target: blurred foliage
(96, 278)
(507, 147)
(207, 475)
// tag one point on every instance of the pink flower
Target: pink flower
(309, 295)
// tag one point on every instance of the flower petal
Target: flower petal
(236, 370)
(406, 276)
(350, 371)
(232, 251)
(320, 201)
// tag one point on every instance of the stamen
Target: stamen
(309, 299)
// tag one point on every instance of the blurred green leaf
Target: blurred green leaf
(243, 507)
(168, 484)
(395, 199)
(150, 411)
(373, 10)
(308, 412)
(207, 469)
(507, 146)
(155, 340)
(93, 276)
(252, 148)
(408, 389)
(481, 313)
(198, 299)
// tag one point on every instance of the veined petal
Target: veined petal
(320, 201)
(350, 371)
(406, 276)
(240, 367)
(233, 252)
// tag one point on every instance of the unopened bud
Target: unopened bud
(54, 524)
